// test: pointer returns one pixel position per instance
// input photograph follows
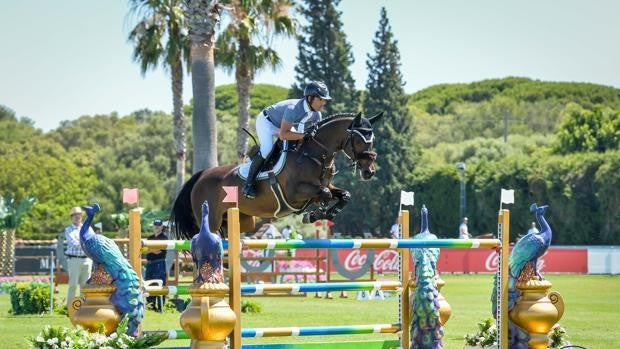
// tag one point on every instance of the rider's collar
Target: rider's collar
(307, 108)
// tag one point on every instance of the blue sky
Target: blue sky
(66, 58)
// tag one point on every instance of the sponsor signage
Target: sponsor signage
(353, 263)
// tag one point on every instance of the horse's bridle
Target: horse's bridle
(365, 155)
(354, 162)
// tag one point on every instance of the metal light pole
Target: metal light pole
(460, 166)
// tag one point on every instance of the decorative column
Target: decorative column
(7, 252)
(95, 309)
(537, 310)
(208, 319)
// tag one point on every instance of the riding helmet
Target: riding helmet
(317, 88)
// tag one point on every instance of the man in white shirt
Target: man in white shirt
(79, 265)
(463, 230)
(286, 232)
(533, 229)
(395, 231)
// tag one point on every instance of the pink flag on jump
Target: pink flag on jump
(232, 194)
(130, 196)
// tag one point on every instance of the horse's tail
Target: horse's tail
(182, 216)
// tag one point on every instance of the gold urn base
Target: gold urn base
(537, 310)
(208, 319)
(95, 311)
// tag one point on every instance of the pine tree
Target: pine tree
(375, 204)
(324, 54)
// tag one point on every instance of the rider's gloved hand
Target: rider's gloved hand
(310, 133)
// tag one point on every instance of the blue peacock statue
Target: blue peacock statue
(523, 266)
(426, 328)
(207, 252)
(104, 252)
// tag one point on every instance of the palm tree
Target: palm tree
(202, 16)
(245, 46)
(162, 20)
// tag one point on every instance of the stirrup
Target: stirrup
(249, 191)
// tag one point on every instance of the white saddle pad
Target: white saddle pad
(244, 168)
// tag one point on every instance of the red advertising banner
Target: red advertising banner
(351, 261)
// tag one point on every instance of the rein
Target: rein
(323, 158)
(354, 161)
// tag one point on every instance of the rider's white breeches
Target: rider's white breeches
(266, 131)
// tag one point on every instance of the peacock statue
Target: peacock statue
(110, 266)
(426, 329)
(523, 266)
(207, 252)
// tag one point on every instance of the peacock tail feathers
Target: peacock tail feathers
(426, 330)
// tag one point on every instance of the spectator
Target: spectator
(78, 265)
(271, 232)
(156, 265)
(98, 228)
(533, 229)
(463, 230)
(286, 232)
(395, 230)
(171, 255)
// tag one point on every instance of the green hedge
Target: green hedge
(32, 298)
(582, 190)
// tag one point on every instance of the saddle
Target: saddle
(274, 163)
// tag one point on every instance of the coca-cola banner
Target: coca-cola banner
(352, 263)
(556, 260)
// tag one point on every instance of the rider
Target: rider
(286, 120)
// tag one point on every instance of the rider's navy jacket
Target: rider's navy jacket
(294, 111)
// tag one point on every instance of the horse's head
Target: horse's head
(358, 144)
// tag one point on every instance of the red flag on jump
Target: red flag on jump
(130, 196)
(232, 194)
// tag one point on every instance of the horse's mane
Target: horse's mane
(336, 116)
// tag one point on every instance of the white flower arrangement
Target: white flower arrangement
(486, 337)
(78, 338)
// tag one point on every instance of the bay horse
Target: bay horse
(305, 179)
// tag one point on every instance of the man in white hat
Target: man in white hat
(78, 265)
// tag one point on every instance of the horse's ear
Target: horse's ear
(357, 121)
(375, 118)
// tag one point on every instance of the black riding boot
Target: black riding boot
(249, 190)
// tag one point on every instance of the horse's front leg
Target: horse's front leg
(343, 197)
(315, 191)
(311, 190)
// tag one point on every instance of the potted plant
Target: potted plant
(558, 337)
(486, 337)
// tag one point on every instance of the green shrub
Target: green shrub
(6, 286)
(251, 307)
(33, 298)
